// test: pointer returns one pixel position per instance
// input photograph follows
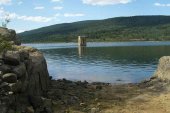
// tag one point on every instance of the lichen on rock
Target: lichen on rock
(163, 69)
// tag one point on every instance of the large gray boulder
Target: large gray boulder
(10, 78)
(163, 69)
(10, 35)
(30, 67)
(11, 58)
(38, 75)
(24, 80)
(5, 69)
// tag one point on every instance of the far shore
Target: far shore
(91, 41)
(97, 41)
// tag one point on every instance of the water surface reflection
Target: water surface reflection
(127, 62)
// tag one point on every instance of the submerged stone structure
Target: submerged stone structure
(82, 40)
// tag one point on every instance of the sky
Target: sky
(32, 14)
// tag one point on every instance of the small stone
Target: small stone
(5, 86)
(14, 87)
(5, 69)
(82, 104)
(10, 93)
(47, 102)
(94, 110)
(10, 78)
(96, 99)
(29, 109)
(98, 104)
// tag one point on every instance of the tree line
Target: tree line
(113, 29)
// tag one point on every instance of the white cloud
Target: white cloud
(5, 2)
(56, 0)
(56, 15)
(20, 31)
(39, 8)
(162, 5)
(73, 14)
(57, 8)
(1, 10)
(35, 18)
(11, 15)
(4, 13)
(105, 2)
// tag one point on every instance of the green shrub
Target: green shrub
(4, 44)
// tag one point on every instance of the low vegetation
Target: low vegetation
(4, 44)
(113, 29)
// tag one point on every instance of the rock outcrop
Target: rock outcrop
(10, 35)
(24, 79)
(163, 70)
(30, 64)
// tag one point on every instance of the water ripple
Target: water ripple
(125, 62)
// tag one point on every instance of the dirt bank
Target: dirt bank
(83, 97)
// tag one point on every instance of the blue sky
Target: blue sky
(32, 14)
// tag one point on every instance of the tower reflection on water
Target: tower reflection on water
(81, 50)
(81, 45)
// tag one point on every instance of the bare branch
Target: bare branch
(6, 21)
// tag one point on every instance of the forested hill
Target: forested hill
(112, 29)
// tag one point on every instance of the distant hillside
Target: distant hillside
(113, 29)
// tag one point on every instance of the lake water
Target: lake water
(117, 62)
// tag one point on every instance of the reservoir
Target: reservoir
(110, 62)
